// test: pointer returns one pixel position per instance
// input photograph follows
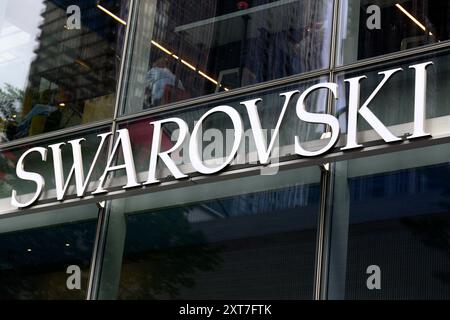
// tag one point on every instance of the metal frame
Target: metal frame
(325, 180)
(95, 261)
(103, 213)
(324, 215)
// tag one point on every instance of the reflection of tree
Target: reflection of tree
(434, 231)
(167, 256)
(9, 96)
(7, 169)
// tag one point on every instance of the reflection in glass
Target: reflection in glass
(37, 249)
(58, 65)
(370, 28)
(217, 129)
(187, 49)
(249, 238)
(33, 163)
(396, 111)
(392, 211)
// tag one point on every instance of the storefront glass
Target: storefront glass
(47, 255)
(217, 133)
(187, 49)
(394, 104)
(393, 212)
(59, 63)
(34, 162)
(376, 27)
(245, 238)
(366, 222)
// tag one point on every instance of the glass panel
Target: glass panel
(394, 103)
(186, 49)
(59, 63)
(370, 28)
(218, 132)
(393, 212)
(246, 238)
(37, 251)
(33, 163)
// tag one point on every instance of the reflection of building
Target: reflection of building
(74, 71)
(223, 45)
(162, 18)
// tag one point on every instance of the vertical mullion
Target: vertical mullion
(126, 52)
(324, 182)
(103, 216)
(323, 230)
(94, 259)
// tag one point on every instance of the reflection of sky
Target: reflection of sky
(19, 27)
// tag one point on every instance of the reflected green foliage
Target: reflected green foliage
(7, 170)
(9, 96)
(167, 258)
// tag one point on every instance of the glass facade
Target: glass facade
(38, 254)
(372, 28)
(185, 49)
(34, 162)
(217, 129)
(392, 211)
(248, 238)
(59, 64)
(400, 119)
(368, 223)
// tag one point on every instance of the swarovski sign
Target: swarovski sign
(264, 148)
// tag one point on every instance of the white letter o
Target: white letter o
(194, 153)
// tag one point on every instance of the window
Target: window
(33, 162)
(394, 103)
(246, 238)
(392, 211)
(377, 27)
(47, 255)
(59, 64)
(217, 133)
(187, 49)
